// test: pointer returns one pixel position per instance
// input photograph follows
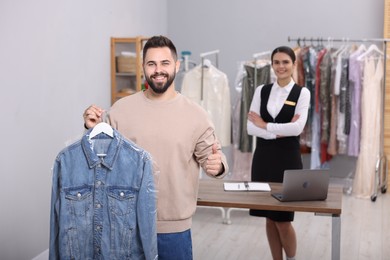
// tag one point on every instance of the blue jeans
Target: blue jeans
(175, 246)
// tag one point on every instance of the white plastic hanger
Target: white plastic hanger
(371, 50)
(206, 63)
(362, 48)
(102, 127)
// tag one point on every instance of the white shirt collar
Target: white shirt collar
(286, 88)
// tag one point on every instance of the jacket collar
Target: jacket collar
(112, 153)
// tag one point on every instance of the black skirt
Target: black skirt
(268, 165)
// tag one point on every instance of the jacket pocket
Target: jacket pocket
(79, 200)
(122, 203)
(121, 200)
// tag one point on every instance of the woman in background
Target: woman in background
(277, 116)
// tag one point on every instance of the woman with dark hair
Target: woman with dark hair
(277, 116)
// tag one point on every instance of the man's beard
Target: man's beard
(160, 88)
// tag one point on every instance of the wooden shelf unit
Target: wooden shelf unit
(126, 83)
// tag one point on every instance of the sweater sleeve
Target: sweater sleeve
(204, 148)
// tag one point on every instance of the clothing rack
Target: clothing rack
(382, 160)
(345, 40)
(202, 56)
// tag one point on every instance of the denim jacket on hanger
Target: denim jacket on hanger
(103, 207)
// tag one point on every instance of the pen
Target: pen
(246, 185)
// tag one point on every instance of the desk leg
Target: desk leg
(227, 220)
(220, 208)
(336, 235)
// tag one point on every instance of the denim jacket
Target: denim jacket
(103, 207)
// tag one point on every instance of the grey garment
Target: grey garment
(309, 72)
(179, 80)
(345, 95)
(263, 76)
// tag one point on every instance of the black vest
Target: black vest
(285, 115)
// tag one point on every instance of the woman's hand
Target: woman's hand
(294, 119)
(257, 120)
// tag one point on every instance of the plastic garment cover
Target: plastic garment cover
(213, 95)
(242, 161)
(255, 76)
(245, 85)
(103, 203)
(364, 182)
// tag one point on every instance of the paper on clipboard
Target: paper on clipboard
(246, 186)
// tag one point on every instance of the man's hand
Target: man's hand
(92, 116)
(214, 162)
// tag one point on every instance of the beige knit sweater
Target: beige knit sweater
(179, 135)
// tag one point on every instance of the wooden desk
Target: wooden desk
(211, 193)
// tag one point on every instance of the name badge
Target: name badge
(290, 103)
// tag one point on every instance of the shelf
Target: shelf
(125, 74)
(126, 83)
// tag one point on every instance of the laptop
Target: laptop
(304, 185)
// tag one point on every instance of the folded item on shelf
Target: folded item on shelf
(128, 54)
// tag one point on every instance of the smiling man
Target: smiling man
(179, 135)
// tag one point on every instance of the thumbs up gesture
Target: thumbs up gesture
(214, 162)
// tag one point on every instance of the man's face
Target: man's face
(159, 69)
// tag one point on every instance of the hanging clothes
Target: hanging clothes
(306, 75)
(343, 105)
(350, 114)
(313, 73)
(325, 101)
(355, 82)
(297, 51)
(185, 66)
(245, 82)
(214, 97)
(241, 161)
(364, 181)
(332, 143)
(103, 207)
(263, 76)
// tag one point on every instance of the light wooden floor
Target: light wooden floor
(365, 233)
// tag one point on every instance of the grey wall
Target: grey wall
(54, 62)
(241, 28)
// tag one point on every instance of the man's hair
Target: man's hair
(159, 42)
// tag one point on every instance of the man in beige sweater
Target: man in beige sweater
(179, 135)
